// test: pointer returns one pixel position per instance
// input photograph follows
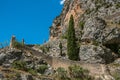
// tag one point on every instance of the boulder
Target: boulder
(1, 76)
(93, 29)
(111, 35)
(2, 58)
(95, 54)
(26, 77)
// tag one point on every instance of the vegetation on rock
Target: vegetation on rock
(21, 65)
(78, 73)
(61, 74)
(74, 73)
(116, 76)
(60, 46)
(81, 24)
(17, 44)
(42, 69)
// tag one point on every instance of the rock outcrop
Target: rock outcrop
(96, 22)
(97, 27)
(95, 54)
(22, 64)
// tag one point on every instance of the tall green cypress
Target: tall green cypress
(60, 46)
(72, 49)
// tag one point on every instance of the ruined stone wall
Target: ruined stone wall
(95, 69)
(55, 62)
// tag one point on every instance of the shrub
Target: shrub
(21, 65)
(44, 48)
(88, 11)
(81, 24)
(42, 69)
(118, 5)
(33, 72)
(62, 74)
(116, 76)
(78, 73)
(64, 36)
(17, 44)
(96, 43)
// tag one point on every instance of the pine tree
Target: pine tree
(72, 49)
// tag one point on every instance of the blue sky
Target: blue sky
(28, 19)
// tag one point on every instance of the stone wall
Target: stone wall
(95, 69)
(55, 62)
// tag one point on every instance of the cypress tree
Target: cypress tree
(72, 49)
(60, 46)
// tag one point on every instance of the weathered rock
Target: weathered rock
(95, 54)
(26, 77)
(2, 58)
(117, 61)
(49, 71)
(54, 49)
(1, 76)
(93, 29)
(82, 10)
(111, 35)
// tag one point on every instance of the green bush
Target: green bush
(42, 69)
(78, 73)
(81, 24)
(64, 36)
(73, 73)
(33, 72)
(21, 65)
(117, 76)
(118, 5)
(96, 43)
(62, 74)
(44, 48)
(88, 11)
(17, 44)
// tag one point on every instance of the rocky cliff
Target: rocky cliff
(97, 26)
(96, 22)
(83, 10)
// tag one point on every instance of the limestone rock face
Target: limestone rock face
(95, 54)
(111, 35)
(93, 29)
(54, 49)
(84, 10)
(60, 24)
(97, 29)
(2, 57)
(95, 21)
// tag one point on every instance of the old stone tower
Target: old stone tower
(12, 41)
